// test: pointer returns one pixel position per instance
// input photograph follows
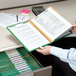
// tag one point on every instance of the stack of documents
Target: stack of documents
(9, 19)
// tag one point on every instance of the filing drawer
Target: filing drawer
(11, 66)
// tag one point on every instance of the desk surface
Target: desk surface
(65, 8)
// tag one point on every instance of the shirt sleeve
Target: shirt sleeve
(65, 55)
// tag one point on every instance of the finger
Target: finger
(42, 47)
(74, 24)
(38, 50)
(73, 29)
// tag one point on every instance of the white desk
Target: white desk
(66, 8)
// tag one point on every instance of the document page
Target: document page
(7, 19)
(51, 23)
(29, 36)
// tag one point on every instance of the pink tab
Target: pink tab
(25, 11)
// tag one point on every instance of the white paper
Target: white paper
(29, 36)
(10, 19)
(51, 23)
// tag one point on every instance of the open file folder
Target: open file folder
(44, 29)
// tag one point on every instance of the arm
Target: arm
(66, 55)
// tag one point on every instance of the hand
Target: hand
(74, 28)
(44, 50)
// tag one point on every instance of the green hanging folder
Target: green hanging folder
(29, 59)
(7, 68)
